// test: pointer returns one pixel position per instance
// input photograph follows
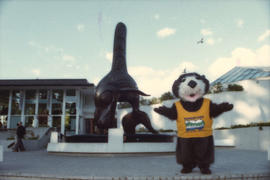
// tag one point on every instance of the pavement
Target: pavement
(229, 163)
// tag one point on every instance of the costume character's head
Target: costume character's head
(190, 87)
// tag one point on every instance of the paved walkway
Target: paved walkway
(229, 163)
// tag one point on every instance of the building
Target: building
(239, 74)
(251, 105)
(66, 104)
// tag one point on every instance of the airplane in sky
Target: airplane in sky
(200, 41)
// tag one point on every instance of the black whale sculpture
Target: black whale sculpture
(119, 86)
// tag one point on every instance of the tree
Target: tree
(144, 101)
(123, 105)
(154, 100)
(166, 96)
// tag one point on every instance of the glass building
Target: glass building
(65, 104)
(239, 73)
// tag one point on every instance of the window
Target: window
(4, 100)
(30, 102)
(57, 100)
(56, 122)
(56, 109)
(30, 107)
(70, 119)
(71, 108)
(43, 94)
(16, 103)
(70, 123)
(42, 108)
(29, 121)
(30, 94)
(57, 96)
(71, 92)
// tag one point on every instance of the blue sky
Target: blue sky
(74, 39)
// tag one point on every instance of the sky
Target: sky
(74, 38)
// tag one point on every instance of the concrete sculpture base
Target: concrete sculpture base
(115, 145)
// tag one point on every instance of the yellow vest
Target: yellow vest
(194, 124)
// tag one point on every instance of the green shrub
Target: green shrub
(259, 124)
(217, 88)
(222, 128)
(166, 130)
(10, 138)
(33, 138)
(142, 129)
(235, 87)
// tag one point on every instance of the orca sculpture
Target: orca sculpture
(119, 86)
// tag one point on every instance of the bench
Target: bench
(1, 153)
(224, 142)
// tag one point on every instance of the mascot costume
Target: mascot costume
(193, 115)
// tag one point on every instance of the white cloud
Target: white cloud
(219, 40)
(36, 45)
(156, 82)
(156, 16)
(239, 23)
(165, 32)
(96, 80)
(202, 21)
(210, 41)
(109, 56)
(80, 27)
(206, 32)
(240, 57)
(47, 49)
(32, 43)
(263, 36)
(36, 72)
(68, 58)
(69, 61)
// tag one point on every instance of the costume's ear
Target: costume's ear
(207, 83)
(175, 87)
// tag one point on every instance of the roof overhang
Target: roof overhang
(45, 83)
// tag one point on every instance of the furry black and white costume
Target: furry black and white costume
(195, 144)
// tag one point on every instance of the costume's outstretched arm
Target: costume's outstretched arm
(170, 113)
(218, 109)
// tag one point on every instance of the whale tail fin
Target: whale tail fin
(119, 48)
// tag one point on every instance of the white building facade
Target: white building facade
(65, 104)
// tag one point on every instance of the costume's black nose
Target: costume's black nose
(192, 84)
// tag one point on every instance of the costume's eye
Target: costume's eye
(183, 80)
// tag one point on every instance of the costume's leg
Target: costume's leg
(184, 154)
(204, 153)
